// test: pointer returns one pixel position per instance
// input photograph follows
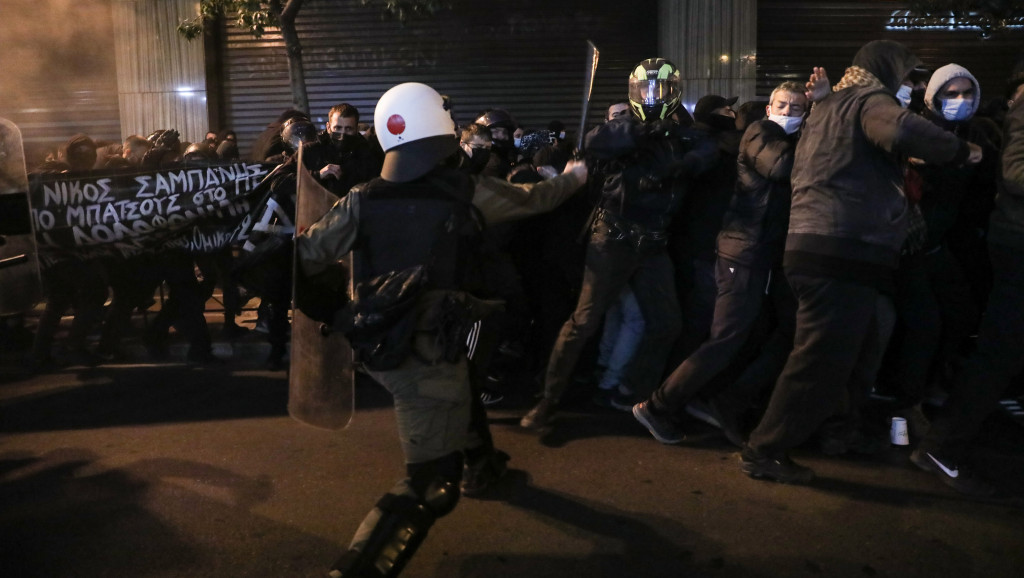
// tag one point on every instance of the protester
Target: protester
(847, 224)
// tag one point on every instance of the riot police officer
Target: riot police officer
(422, 213)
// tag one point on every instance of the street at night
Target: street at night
(169, 470)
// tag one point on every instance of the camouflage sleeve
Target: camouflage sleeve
(328, 240)
(501, 201)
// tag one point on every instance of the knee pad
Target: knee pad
(436, 483)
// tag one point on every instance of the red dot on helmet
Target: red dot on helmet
(396, 124)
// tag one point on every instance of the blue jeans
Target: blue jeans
(623, 331)
(612, 264)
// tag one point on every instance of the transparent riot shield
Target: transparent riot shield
(20, 287)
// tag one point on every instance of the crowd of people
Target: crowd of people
(765, 268)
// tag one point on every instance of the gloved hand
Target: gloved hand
(657, 129)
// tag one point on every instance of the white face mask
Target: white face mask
(903, 95)
(957, 108)
(561, 135)
(790, 124)
(517, 141)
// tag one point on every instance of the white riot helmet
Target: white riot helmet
(415, 129)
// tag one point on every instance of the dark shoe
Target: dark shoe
(489, 397)
(728, 421)
(624, 401)
(661, 428)
(955, 476)
(541, 416)
(702, 411)
(781, 469)
(483, 474)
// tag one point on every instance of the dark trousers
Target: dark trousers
(936, 311)
(741, 291)
(998, 358)
(610, 264)
(764, 370)
(697, 290)
(184, 306)
(836, 351)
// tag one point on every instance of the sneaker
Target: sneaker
(483, 474)
(703, 412)
(955, 476)
(661, 428)
(781, 469)
(489, 397)
(624, 401)
(541, 416)
(728, 422)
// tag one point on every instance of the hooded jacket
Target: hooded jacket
(939, 79)
(849, 215)
(945, 187)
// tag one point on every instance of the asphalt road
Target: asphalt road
(173, 471)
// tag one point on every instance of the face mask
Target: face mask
(957, 109)
(517, 142)
(721, 122)
(561, 135)
(903, 95)
(790, 124)
(478, 161)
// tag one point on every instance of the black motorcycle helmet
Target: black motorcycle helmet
(298, 130)
(654, 89)
(497, 117)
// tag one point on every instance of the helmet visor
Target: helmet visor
(652, 92)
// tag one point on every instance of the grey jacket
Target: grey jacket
(847, 177)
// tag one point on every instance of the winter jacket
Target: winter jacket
(848, 202)
(699, 222)
(754, 227)
(645, 166)
(1007, 224)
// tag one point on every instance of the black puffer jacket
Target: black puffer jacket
(754, 227)
(646, 166)
(848, 201)
(1007, 225)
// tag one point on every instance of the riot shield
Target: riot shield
(320, 376)
(20, 287)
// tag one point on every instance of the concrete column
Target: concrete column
(714, 44)
(161, 79)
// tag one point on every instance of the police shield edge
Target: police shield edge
(320, 375)
(20, 287)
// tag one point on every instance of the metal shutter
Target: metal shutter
(525, 56)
